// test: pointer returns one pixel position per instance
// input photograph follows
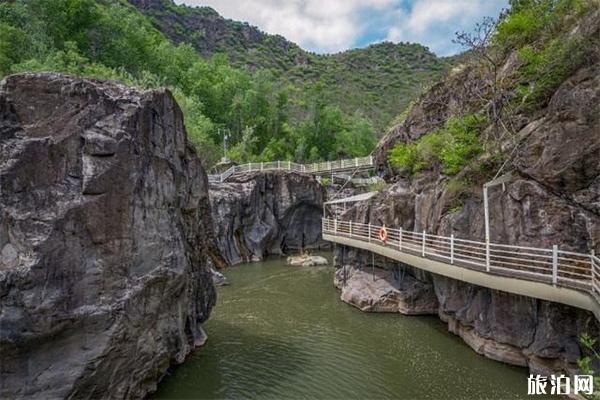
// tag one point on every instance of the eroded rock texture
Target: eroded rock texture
(104, 215)
(258, 214)
(553, 198)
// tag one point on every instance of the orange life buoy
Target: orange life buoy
(383, 234)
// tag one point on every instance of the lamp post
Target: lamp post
(501, 180)
(225, 138)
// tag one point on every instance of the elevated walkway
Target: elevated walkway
(549, 274)
(322, 168)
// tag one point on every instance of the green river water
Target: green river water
(282, 332)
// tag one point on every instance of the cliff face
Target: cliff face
(258, 214)
(552, 199)
(103, 276)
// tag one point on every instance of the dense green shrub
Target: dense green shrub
(548, 67)
(531, 21)
(453, 146)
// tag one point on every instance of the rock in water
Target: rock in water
(218, 278)
(103, 228)
(385, 290)
(306, 261)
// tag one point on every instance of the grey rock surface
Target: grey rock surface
(385, 290)
(104, 219)
(269, 213)
(306, 260)
(553, 198)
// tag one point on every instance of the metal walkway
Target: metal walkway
(549, 274)
(322, 168)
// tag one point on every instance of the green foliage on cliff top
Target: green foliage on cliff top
(453, 146)
(111, 39)
(540, 30)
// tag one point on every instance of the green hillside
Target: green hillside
(378, 81)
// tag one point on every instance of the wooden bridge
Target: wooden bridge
(322, 168)
(549, 274)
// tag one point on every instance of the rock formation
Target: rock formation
(258, 214)
(103, 228)
(552, 199)
(306, 260)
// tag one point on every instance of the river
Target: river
(282, 332)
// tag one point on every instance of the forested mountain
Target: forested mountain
(273, 100)
(376, 81)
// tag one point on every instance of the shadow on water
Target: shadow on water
(234, 364)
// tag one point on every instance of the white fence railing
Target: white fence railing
(316, 168)
(554, 266)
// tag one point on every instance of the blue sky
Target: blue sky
(327, 26)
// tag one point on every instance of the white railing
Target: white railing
(316, 168)
(554, 266)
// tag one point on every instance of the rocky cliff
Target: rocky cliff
(553, 198)
(258, 214)
(103, 223)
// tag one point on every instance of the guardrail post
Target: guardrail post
(554, 264)
(278, 164)
(302, 167)
(487, 255)
(452, 248)
(592, 255)
(289, 165)
(350, 228)
(356, 162)
(423, 250)
(262, 165)
(335, 225)
(369, 232)
(400, 240)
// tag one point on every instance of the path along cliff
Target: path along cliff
(553, 198)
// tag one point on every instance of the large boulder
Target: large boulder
(385, 290)
(266, 213)
(103, 228)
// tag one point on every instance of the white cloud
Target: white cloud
(433, 23)
(336, 25)
(319, 25)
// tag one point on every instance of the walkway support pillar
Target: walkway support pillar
(373, 266)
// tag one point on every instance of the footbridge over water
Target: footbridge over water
(352, 165)
(549, 274)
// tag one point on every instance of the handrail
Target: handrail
(315, 168)
(557, 267)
